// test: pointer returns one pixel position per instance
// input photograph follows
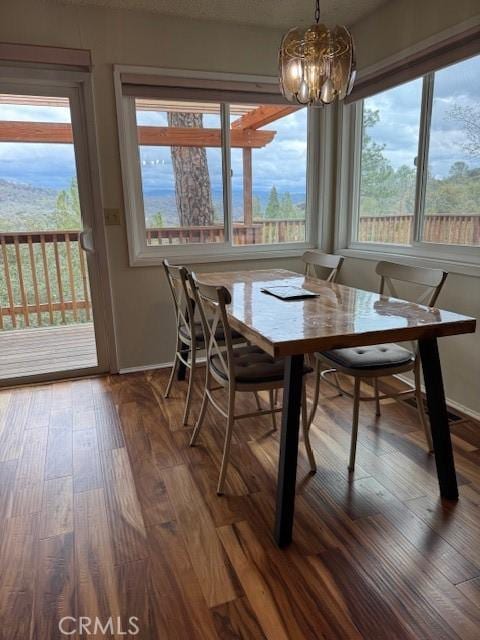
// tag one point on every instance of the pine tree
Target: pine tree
(273, 206)
(67, 210)
(287, 207)
(156, 221)
(257, 208)
(193, 190)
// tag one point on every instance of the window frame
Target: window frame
(141, 254)
(464, 257)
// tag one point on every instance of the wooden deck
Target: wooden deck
(26, 352)
(106, 511)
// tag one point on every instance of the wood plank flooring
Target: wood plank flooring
(107, 512)
(26, 352)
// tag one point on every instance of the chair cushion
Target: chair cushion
(219, 334)
(373, 357)
(253, 366)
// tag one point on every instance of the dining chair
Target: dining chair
(189, 331)
(236, 370)
(329, 263)
(377, 361)
(189, 334)
(314, 259)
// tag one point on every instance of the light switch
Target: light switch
(112, 217)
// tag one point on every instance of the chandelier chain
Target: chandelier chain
(317, 11)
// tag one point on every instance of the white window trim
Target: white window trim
(140, 254)
(459, 259)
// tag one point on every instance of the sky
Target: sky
(281, 163)
(399, 111)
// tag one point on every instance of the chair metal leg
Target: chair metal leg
(201, 415)
(337, 382)
(191, 376)
(228, 441)
(272, 407)
(172, 375)
(257, 400)
(377, 398)
(306, 432)
(356, 409)
(421, 409)
(316, 393)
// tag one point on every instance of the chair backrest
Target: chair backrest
(177, 278)
(313, 259)
(432, 279)
(210, 296)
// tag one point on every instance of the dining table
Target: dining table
(338, 316)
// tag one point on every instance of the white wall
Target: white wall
(400, 24)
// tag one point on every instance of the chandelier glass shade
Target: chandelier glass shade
(317, 65)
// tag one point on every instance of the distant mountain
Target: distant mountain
(20, 202)
(164, 202)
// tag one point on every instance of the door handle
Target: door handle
(86, 241)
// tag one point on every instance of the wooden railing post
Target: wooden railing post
(83, 271)
(34, 279)
(21, 284)
(59, 276)
(8, 282)
(47, 277)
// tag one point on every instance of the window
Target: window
(269, 177)
(452, 198)
(181, 168)
(218, 168)
(390, 130)
(418, 183)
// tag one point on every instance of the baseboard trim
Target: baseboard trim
(144, 367)
(451, 404)
(149, 367)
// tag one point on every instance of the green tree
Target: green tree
(287, 207)
(469, 118)
(156, 220)
(257, 208)
(273, 206)
(377, 184)
(404, 179)
(459, 170)
(67, 211)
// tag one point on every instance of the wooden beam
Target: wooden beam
(262, 115)
(247, 186)
(190, 137)
(56, 132)
(34, 101)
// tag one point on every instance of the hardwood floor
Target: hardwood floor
(26, 352)
(106, 511)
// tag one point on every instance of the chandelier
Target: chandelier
(317, 65)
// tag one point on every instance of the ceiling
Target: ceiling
(280, 14)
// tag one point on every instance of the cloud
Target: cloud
(399, 111)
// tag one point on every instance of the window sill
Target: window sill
(192, 258)
(450, 264)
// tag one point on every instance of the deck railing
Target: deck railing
(260, 232)
(442, 228)
(43, 279)
(43, 274)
